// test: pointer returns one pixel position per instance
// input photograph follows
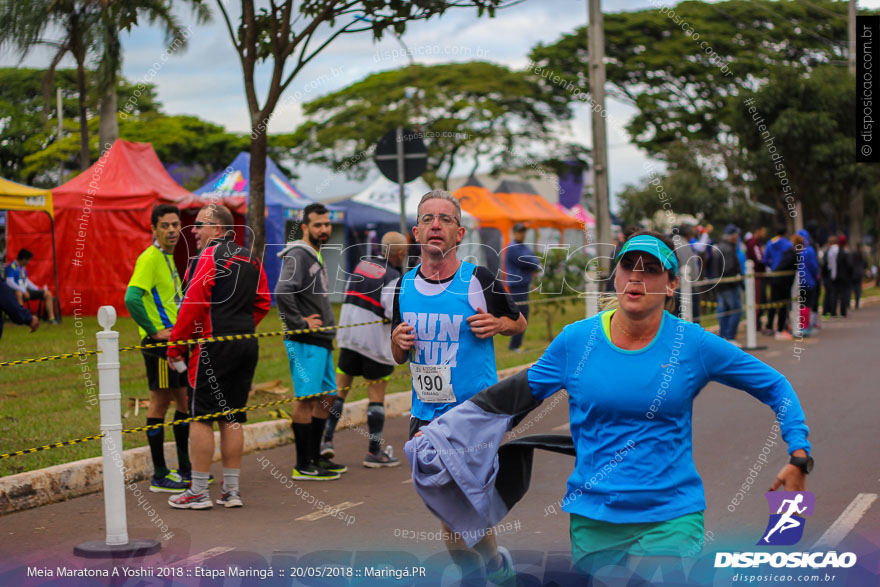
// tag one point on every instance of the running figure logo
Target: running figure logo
(786, 526)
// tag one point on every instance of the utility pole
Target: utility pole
(856, 201)
(596, 46)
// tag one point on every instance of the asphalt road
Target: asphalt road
(381, 519)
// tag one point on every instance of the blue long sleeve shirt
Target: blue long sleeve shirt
(773, 251)
(631, 414)
(521, 265)
(808, 268)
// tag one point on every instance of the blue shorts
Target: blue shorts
(311, 368)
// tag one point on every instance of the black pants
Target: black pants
(857, 290)
(780, 289)
(828, 302)
(841, 297)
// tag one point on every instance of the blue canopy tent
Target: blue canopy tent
(284, 205)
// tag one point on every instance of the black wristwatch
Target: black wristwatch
(805, 464)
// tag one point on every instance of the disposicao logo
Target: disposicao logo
(785, 528)
(786, 525)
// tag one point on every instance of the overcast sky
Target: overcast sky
(206, 79)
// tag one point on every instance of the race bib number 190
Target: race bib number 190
(433, 383)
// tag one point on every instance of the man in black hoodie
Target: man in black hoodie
(303, 303)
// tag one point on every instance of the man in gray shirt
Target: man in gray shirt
(303, 303)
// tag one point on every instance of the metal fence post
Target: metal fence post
(796, 306)
(751, 312)
(592, 293)
(687, 299)
(116, 543)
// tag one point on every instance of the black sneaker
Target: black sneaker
(328, 465)
(379, 460)
(170, 483)
(313, 473)
(327, 450)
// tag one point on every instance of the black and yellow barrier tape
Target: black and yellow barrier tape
(768, 305)
(81, 353)
(228, 337)
(223, 338)
(187, 420)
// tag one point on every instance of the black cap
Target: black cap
(519, 227)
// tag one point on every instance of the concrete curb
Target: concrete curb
(62, 482)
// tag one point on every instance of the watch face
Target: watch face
(808, 465)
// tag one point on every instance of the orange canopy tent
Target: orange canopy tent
(524, 202)
(102, 224)
(487, 209)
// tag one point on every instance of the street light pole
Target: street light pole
(596, 46)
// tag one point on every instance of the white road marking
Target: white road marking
(837, 531)
(562, 426)
(332, 510)
(201, 557)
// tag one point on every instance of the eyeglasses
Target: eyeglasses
(200, 224)
(445, 219)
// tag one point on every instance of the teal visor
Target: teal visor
(653, 246)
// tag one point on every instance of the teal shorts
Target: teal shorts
(678, 537)
(311, 368)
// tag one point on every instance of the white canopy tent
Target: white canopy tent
(385, 195)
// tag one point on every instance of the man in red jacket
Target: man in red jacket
(227, 294)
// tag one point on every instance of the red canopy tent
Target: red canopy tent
(102, 224)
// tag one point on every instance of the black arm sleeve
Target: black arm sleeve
(395, 314)
(498, 301)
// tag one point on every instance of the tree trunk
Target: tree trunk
(108, 126)
(856, 215)
(799, 216)
(256, 209)
(84, 158)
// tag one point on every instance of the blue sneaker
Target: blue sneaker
(505, 575)
(170, 483)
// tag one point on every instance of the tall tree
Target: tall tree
(29, 24)
(176, 139)
(28, 123)
(117, 17)
(282, 36)
(798, 135)
(685, 68)
(682, 66)
(465, 110)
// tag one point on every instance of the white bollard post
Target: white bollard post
(592, 293)
(110, 397)
(687, 299)
(751, 315)
(796, 307)
(116, 543)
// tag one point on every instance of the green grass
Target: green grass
(42, 403)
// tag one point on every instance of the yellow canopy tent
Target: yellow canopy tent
(15, 196)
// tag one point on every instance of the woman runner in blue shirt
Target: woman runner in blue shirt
(632, 374)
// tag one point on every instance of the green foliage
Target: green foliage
(681, 92)
(176, 139)
(29, 124)
(690, 187)
(564, 274)
(465, 110)
(810, 120)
